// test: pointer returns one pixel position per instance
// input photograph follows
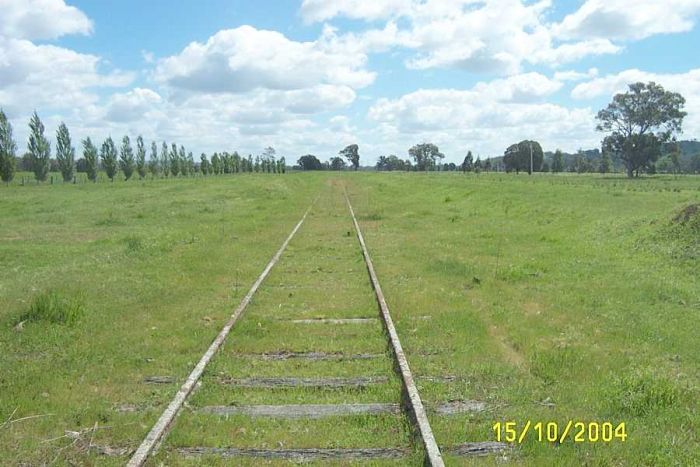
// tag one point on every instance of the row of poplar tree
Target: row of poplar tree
(171, 161)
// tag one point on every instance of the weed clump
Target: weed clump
(642, 394)
(55, 308)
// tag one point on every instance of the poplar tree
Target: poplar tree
(182, 159)
(140, 157)
(204, 165)
(108, 154)
(126, 158)
(39, 148)
(174, 162)
(153, 160)
(216, 164)
(90, 156)
(164, 159)
(8, 148)
(65, 152)
(190, 163)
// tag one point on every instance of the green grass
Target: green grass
(551, 297)
(579, 291)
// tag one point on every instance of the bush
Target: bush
(53, 307)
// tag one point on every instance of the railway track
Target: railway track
(309, 373)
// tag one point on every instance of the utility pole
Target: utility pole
(531, 158)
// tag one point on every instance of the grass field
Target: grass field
(550, 298)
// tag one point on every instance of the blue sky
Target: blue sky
(312, 76)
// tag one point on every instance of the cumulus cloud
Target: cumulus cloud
(243, 59)
(132, 105)
(620, 19)
(477, 118)
(47, 77)
(499, 36)
(321, 10)
(41, 19)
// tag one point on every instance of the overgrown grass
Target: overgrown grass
(55, 308)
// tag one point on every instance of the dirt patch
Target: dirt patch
(511, 355)
(532, 309)
(687, 214)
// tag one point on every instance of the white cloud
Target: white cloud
(620, 19)
(479, 119)
(132, 105)
(321, 10)
(496, 36)
(572, 75)
(41, 19)
(243, 59)
(49, 77)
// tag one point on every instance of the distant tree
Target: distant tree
(309, 162)
(675, 157)
(352, 154)
(182, 160)
(153, 165)
(108, 154)
(204, 166)
(558, 161)
(216, 164)
(190, 163)
(140, 157)
(268, 159)
(237, 162)
(81, 165)
(65, 153)
(257, 164)
(390, 163)
(90, 156)
(337, 163)
(250, 163)
(695, 163)
(282, 165)
(468, 163)
(8, 149)
(39, 148)
(126, 158)
(517, 157)
(478, 166)
(582, 164)
(174, 160)
(488, 165)
(164, 159)
(425, 155)
(605, 163)
(640, 121)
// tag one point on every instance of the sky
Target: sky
(313, 76)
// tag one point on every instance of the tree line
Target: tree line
(130, 161)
